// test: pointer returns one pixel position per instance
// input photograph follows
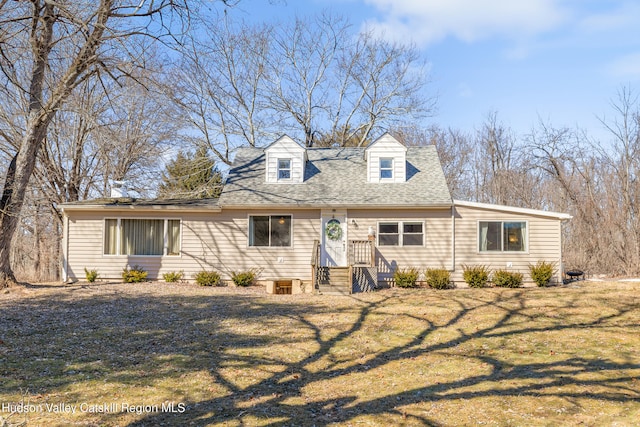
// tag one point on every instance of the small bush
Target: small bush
(476, 276)
(244, 278)
(507, 279)
(406, 277)
(437, 278)
(134, 275)
(208, 278)
(91, 275)
(542, 272)
(173, 276)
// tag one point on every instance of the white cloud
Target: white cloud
(429, 21)
(627, 67)
(620, 16)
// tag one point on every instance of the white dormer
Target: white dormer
(285, 161)
(386, 160)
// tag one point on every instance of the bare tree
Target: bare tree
(220, 86)
(379, 85)
(305, 54)
(104, 131)
(571, 180)
(621, 164)
(358, 84)
(454, 150)
(243, 85)
(498, 164)
(136, 132)
(46, 50)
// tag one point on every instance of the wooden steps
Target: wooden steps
(334, 281)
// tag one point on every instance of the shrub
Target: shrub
(208, 278)
(507, 279)
(91, 275)
(134, 275)
(244, 278)
(476, 276)
(438, 278)
(173, 276)
(542, 272)
(406, 277)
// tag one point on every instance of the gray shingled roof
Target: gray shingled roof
(336, 177)
(144, 203)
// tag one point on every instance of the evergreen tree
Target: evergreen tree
(191, 176)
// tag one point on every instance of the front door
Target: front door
(334, 239)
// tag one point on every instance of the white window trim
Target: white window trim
(290, 169)
(401, 223)
(249, 246)
(380, 169)
(165, 240)
(502, 251)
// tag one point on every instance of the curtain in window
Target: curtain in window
(110, 236)
(484, 228)
(142, 236)
(173, 237)
(523, 236)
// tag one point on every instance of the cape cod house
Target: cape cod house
(313, 219)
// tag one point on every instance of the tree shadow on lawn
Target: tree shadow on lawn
(264, 374)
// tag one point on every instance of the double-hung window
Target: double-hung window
(284, 169)
(502, 236)
(274, 230)
(134, 236)
(401, 233)
(386, 168)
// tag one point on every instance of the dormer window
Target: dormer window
(284, 169)
(386, 160)
(386, 168)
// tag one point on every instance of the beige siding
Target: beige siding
(543, 235)
(435, 253)
(209, 241)
(220, 241)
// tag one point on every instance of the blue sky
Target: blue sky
(560, 60)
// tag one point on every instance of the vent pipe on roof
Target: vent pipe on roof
(118, 189)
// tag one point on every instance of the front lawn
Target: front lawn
(164, 354)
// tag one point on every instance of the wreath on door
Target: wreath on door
(333, 230)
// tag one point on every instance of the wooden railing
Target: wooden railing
(315, 263)
(362, 253)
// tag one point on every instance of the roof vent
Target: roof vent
(118, 189)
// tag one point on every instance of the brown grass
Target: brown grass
(543, 356)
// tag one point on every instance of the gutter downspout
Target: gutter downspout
(65, 248)
(560, 273)
(453, 237)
